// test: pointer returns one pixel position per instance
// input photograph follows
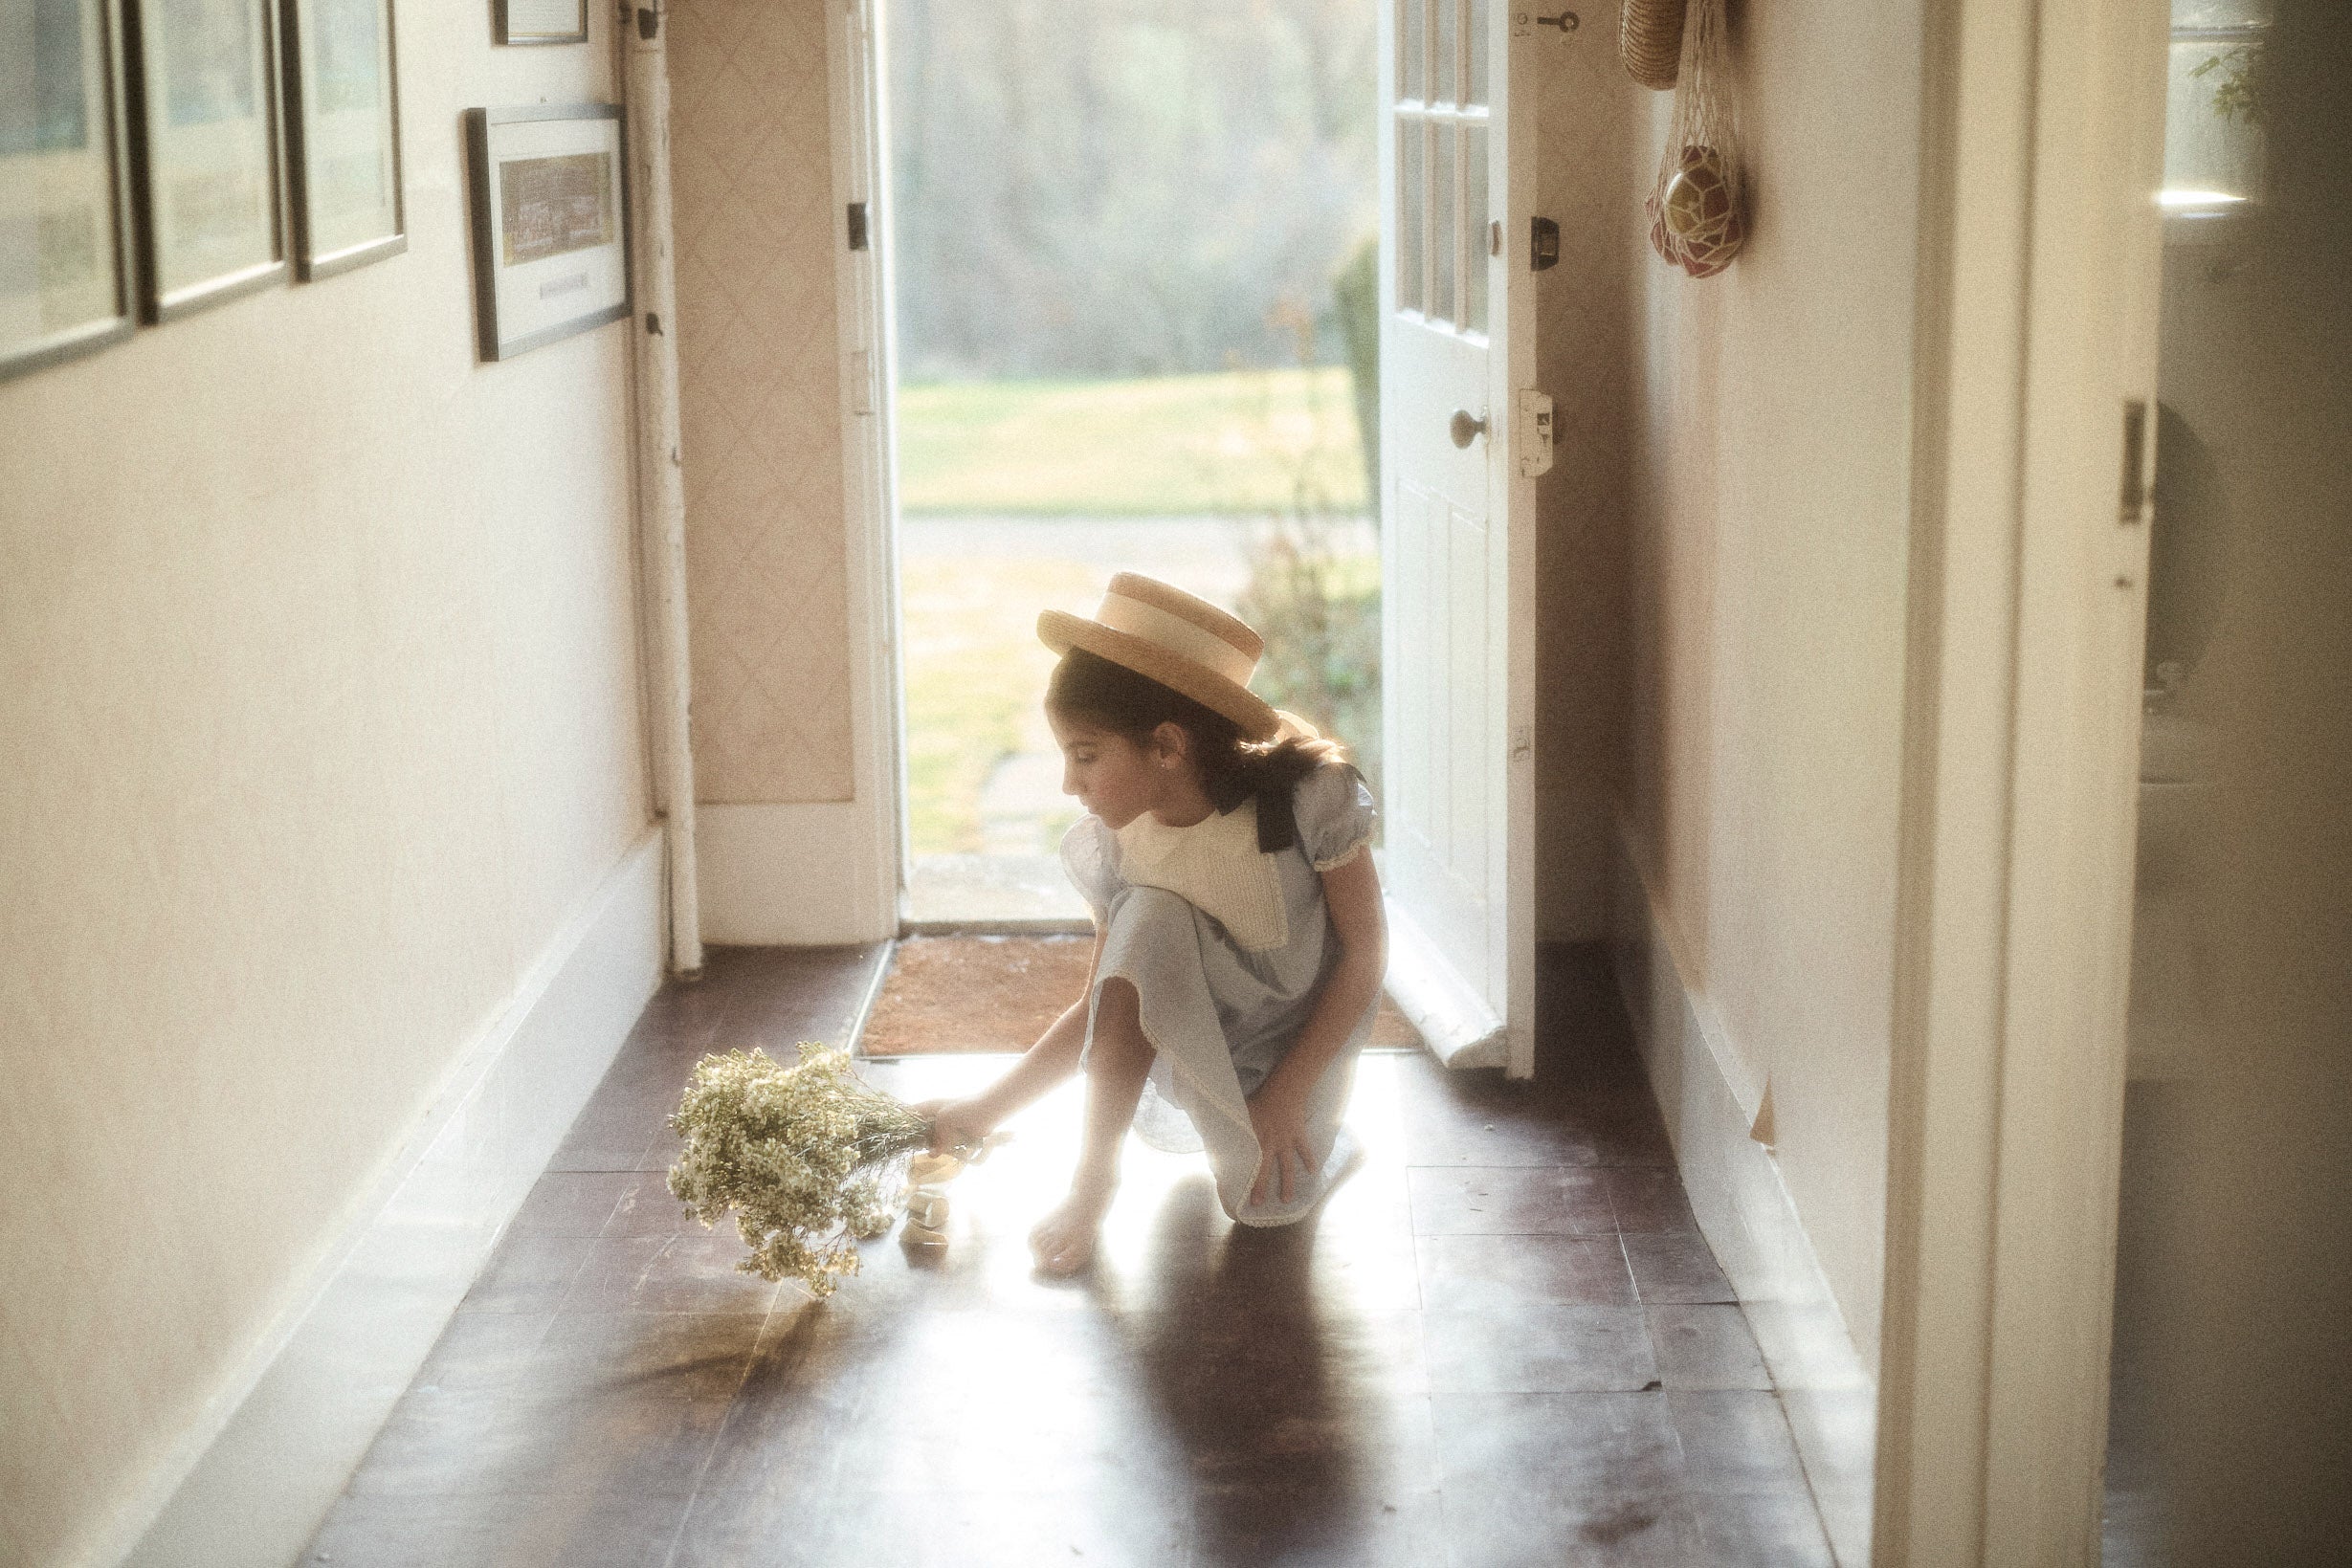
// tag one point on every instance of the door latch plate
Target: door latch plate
(1535, 434)
(1542, 245)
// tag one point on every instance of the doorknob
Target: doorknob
(1466, 430)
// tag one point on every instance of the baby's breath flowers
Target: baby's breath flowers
(809, 1157)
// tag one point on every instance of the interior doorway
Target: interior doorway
(1133, 266)
(2226, 1436)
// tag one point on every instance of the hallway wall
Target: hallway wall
(1590, 154)
(319, 683)
(1767, 534)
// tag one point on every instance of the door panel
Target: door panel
(1456, 544)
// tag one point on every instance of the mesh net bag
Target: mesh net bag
(1650, 41)
(1698, 210)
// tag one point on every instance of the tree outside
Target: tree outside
(1104, 190)
(1134, 305)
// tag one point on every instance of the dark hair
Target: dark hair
(1091, 688)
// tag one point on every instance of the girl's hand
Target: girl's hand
(956, 1126)
(1281, 1122)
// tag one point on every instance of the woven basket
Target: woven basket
(1650, 40)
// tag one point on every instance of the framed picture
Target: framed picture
(550, 224)
(342, 134)
(204, 151)
(542, 21)
(65, 274)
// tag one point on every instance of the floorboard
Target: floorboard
(1502, 1342)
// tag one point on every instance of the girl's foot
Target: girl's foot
(1064, 1240)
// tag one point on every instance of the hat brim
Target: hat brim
(1062, 631)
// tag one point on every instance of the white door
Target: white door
(1458, 536)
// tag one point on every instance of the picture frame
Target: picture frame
(549, 200)
(541, 21)
(206, 151)
(342, 134)
(66, 268)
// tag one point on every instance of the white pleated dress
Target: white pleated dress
(1226, 949)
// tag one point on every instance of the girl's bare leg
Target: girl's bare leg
(1116, 1068)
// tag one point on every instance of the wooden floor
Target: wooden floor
(1502, 1342)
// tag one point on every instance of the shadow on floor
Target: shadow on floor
(1502, 1342)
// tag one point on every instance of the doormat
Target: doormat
(999, 993)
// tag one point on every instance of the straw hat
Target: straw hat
(1182, 642)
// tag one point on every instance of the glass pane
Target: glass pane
(1446, 31)
(1444, 233)
(1474, 230)
(2219, 13)
(2212, 128)
(1411, 212)
(1477, 51)
(1412, 48)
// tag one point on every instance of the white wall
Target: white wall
(1589, 149)
(1769, 506)
(319, 690)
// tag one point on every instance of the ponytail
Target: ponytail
(1087, 686)
(1267, 772)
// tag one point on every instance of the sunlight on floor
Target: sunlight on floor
(1502, 1343)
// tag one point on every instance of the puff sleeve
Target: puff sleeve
(1336, 815)
(1090, 859)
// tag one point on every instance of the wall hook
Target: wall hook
(1567, 22)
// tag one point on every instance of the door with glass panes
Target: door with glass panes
(1457, 545)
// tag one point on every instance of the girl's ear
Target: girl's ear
(1171, 742)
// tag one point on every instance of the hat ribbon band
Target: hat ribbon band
(1175, 634)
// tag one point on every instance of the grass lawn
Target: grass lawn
(975, 682)
(1240, 441)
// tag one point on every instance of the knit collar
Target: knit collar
(1215, 865)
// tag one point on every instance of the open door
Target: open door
(1457, 529)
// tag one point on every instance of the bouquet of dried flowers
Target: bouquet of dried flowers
(809, 1157)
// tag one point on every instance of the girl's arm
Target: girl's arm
(1279, 1108)
(1047, 1062)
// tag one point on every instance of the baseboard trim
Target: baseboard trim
(1718, 1113)
(250, 1481)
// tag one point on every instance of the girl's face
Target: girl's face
(1111, 775)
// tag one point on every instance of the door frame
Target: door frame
(1521, 54)
(857, 72)
(2041, 146)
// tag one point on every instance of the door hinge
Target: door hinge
(1533, 439)
(861, 382)
(2133, 500)
(857, 226)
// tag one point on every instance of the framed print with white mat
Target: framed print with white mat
(550, 224)
(65, 272)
